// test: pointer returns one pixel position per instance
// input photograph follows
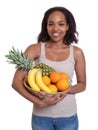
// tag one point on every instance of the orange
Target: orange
(54, 76)
(62, 85)
(63, 75)
(46, 80)
(53, 88)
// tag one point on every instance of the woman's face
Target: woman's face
(57, 26)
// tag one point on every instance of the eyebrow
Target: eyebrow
(58, 21)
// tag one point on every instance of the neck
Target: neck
(57, 45)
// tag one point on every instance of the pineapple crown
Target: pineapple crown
(19, 59)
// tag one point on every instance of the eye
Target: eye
(61, 24)
(50, 24)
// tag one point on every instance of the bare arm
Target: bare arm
(17, 84)
(80, 69)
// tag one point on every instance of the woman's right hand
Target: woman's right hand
(49, 101)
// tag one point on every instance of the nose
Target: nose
(55, 27)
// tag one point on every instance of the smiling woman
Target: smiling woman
(54, 48)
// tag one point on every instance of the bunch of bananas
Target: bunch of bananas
(35, 81)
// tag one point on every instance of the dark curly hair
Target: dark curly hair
(71, 35)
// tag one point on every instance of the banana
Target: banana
(40, 82)
(31, 79)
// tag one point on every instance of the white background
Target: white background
(20, 22)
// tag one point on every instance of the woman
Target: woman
(55, 49)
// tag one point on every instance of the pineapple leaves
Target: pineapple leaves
(19, 59)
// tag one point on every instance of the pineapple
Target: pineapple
(46, 70)
(23, 62)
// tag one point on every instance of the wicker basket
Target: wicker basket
(42, 94)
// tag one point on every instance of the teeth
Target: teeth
(56, 34)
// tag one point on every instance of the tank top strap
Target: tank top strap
(42, 49)
(72, 53)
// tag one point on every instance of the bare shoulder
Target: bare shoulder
(33, 51)
(78, 52)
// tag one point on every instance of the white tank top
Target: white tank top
(67, 107)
